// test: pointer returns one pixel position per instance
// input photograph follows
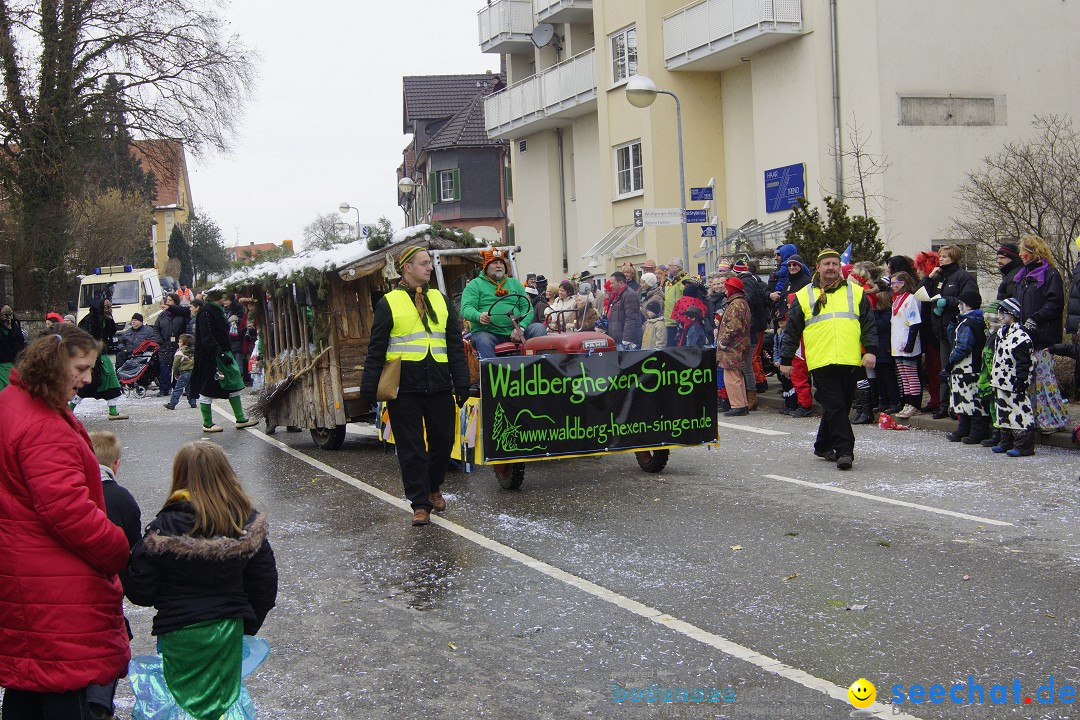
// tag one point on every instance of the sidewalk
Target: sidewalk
(1063, 439)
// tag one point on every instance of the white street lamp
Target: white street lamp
(641, 92)
(344, 208)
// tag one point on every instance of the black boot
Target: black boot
(1005, 441)
(994, 439)
(1023, 444)
(791, 402)
(963, 429)
(863, 408)
(725, 405)
(980, 430)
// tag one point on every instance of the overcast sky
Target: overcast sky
(325, 123)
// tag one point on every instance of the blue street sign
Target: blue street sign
(701, 270)
(784, 186)
(697, 216)
(708, 231)
(700, 194)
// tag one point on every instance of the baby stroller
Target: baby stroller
(139, 370)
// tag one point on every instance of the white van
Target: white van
(130, 290)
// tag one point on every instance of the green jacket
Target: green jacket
(478, 297)
(673, 290)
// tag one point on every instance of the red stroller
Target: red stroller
(139, 370)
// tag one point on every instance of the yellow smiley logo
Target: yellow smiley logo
(862, 693)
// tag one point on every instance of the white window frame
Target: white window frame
(621, 56)
(630, 188)
(446, 185)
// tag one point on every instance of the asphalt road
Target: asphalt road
(740, 571)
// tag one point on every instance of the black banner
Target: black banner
(550, 405)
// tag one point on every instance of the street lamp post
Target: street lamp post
(407, 187)
(641, 92)
(345, 208)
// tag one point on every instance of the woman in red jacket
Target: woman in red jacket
(61, 604)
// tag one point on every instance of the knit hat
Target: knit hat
(1009, 306)
(796, 258)
(654, 306)
(490, 256)
(733, 284)
(971, 298)
(724, 265)
(1009, 250)
(407, 255)
(826, 253)
(69, 319)
(55, 316)
(648, 279)
(137, 316)
(530, 276)
(740, 266)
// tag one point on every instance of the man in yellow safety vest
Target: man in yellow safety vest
(417, 325)
(834, 320)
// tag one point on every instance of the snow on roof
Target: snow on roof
(328, 260)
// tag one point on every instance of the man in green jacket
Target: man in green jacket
(490, 328)
(673, 290)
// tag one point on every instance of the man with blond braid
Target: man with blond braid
(834, 320)
(418, 325)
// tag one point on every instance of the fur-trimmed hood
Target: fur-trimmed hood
(167, 535)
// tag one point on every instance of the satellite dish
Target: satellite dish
(544, 35)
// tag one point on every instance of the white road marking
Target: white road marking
(747, 428)
(732, 649)
(890, 501)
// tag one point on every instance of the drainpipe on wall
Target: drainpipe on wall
(836, 103)
(562, 203)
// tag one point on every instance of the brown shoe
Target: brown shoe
(751, 399)
(421, 516)
(438, 502)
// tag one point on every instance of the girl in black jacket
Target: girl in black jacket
(206, 565)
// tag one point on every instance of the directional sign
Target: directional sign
(708, 231)
(697, 216)
(657, 217)
(700, 194)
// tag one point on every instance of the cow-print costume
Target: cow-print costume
(1010, 376)
(964, 375)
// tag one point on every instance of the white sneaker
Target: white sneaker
(907, 411)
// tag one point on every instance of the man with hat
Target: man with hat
(417, 325)
(834, 320)
(530, 281)
(733, 345)
(1009, 263)
(491, 328)
(673, 290)
(128, 341)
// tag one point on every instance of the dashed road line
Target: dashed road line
(732, 649)
(749, 428)
(890, 501)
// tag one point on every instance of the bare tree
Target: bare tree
(178, 72)
(326, 230)
(108, 227)
(861, 187)
(1028, 187)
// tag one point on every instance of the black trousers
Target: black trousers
(835, 385)
(945, 348)
(423, 466)
(26, 705)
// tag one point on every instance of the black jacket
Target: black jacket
(211, 341)
(11, 343)
(121, 507)
(1072, 322)
(101, 327)
(949, 284)
(1041, 299)
(132, 338)
(195, 579)
(424, 376)
(171, 323)
(624, 318)
(757, 299)
(1005, 287)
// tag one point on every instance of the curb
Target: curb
(1062, 439)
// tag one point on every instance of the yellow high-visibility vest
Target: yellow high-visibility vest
(409, 340)
(834, 335)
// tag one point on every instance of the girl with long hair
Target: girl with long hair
(906, 345)
(206, 565)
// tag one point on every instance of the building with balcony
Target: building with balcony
(461, 175)
(773, 95)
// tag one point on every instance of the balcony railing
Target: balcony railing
(563, 11)
(544, 100)
(506, 26)
(713, 35)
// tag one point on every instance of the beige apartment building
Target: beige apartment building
(769, 89)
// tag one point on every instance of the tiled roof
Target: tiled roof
(465, 129)
(249, 250)
(164, 158)
(431, 97)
